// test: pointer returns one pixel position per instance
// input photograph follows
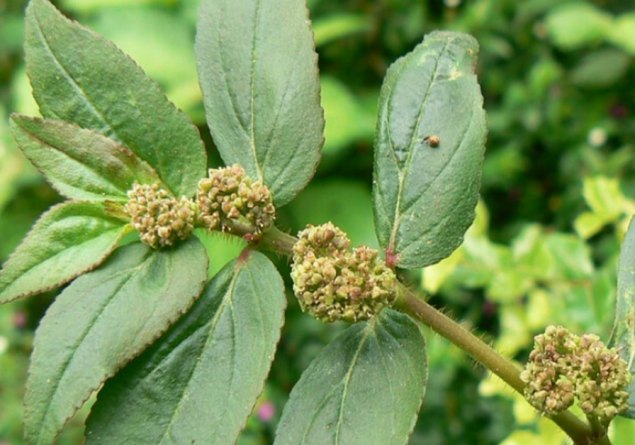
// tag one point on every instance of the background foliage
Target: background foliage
(558, 184)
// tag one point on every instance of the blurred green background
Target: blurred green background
(558, 186)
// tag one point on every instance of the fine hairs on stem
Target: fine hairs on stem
(580, 432)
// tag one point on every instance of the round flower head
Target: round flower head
(160, 218)
(563, 367)
(333, 283)
(228, 196)
(547, 375)
(601, 378)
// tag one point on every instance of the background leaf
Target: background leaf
(364, 388)
(338, 26)
(577, 24)
(622, 32)
(425, 196)
(258, 71)
(199, 383)
(66, 241)
(80, 77)
(80, 164)
(102, 321)
(623, 335)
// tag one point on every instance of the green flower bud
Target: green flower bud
(228, 196)
(160, 218)
(333, 283)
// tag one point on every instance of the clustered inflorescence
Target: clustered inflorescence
(160, 218)
(228, 198)
(334, 283)
(563, 367)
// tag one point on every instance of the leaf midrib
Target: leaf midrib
(347, 378)
(107, 127)
(398, 213)
(131, 273)
(107, 232)
(227, 300)
(122, 192)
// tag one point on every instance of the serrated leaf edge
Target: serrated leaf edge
(124, 229)
(151, 84)
(149, 170)
(142, 348)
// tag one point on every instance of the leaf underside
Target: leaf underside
(101, 322)
(81, 164)
(258, 70)
(429, 150)
(365, 388)
(199, 382)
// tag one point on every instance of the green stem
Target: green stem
(576, 429)
(581, 434)
(277, 241)
(597, 429)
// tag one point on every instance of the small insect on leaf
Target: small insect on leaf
(433, 140)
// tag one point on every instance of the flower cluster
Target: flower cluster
(602, 379)
(228, 198)
(334, 283)
(563, 367)
(160, 218)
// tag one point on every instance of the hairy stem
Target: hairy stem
(277, 241)
(576, 429)
(580, 432)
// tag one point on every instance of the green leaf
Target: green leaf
(425, 195)
(68, 240)
(80, 164)
(604, 196)
(14, 167)
(340, 25)
(576, 25)
(601, 68)
(347, 119)
(259, 77)
(199, 383)
(571, 257)
(364, 388)
(101, 322)
(587, 224)
(622, 32)
(80, 77)
(159, 40)
(91, 6)
(623, 336)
